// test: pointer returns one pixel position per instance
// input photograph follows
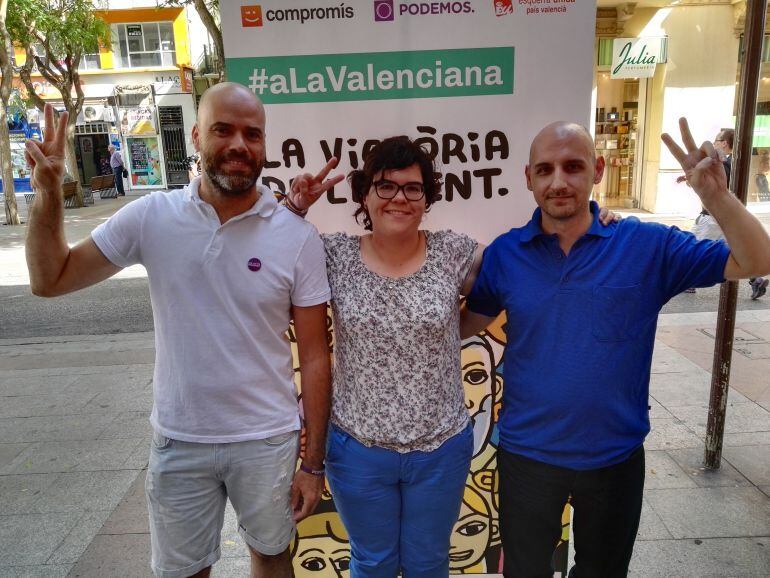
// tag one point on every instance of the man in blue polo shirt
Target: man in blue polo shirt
(582, 303)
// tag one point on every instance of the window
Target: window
(142, 45)
(90, 62)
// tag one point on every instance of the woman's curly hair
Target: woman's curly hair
(396, 152)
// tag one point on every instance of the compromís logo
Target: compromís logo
(251, 16)
(385, 10)
(300, 15)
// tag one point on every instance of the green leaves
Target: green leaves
(67, 29)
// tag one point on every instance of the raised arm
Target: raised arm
(54, 268)
(749, 242)
(313, 349)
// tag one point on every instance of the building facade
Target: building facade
(139, 87)
(138, 96)
(696, 44)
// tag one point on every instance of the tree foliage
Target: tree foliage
(208, 11)
(55, 35)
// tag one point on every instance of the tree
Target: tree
(55, 34)
(6, 69)
(208, 11)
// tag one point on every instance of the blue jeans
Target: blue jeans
(398, 509)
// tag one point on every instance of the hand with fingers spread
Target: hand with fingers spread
(46, 158)
(702, 167)
(307, 188)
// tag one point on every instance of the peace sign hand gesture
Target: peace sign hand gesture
(47, 158)
(307, 188)
(702, 167)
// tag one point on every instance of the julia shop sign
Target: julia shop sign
(637, 57)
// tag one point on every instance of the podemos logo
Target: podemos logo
(385, 10)
(251, 16)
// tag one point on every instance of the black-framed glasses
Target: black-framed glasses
(388, 189)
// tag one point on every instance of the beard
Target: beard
(233, 183)
(567, 209)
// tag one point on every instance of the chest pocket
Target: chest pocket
(615, 312)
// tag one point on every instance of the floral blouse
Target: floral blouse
(396, 376)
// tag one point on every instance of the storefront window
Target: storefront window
(616, 130)
(144, 162)
(143, 45)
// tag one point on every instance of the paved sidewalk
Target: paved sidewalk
(78, 224)
(75, 438)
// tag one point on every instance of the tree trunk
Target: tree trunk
(214, 31)
(6, 172)
(70, 158)
(11, 210)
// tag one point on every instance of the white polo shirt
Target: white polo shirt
(221, 298)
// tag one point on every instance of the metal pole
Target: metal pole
(751, 62)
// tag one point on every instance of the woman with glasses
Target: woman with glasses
(400, 440)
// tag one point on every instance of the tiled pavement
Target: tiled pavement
(74, 441)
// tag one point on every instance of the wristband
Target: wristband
(311, 471)
(293, 208)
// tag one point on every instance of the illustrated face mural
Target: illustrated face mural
(472, 534)
(482, 386)
(321, 548)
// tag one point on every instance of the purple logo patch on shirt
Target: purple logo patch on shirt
(255, 264)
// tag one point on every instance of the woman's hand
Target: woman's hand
(606, 216)
(307, 188)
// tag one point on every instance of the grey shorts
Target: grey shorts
(188, 485)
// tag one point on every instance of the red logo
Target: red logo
(503, 7)
(251, 16)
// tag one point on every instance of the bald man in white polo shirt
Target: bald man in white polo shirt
(228, 268)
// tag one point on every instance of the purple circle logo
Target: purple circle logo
(255, 264)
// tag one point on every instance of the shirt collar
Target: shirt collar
(534, 229)
(264, 207)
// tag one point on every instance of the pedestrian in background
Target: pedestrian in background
(116, 164)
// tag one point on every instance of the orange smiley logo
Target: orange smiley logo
(251, 16)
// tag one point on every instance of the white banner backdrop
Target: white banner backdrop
(475, 79)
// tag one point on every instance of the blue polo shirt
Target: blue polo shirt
(581, 330)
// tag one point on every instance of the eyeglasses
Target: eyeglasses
(388, 190)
